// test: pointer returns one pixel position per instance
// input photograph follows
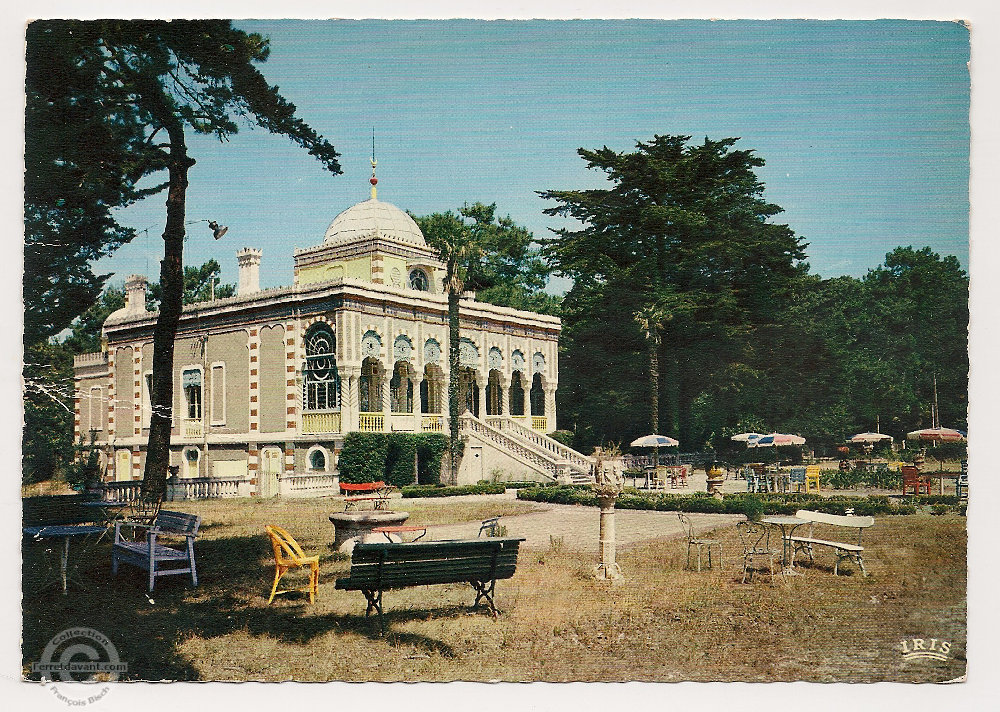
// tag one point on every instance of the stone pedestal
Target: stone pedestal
(714, 486)
(608, 568)
(350, 528)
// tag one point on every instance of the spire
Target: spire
(373, 180)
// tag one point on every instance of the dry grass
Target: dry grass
(558, 623)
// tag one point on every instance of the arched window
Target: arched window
(321, 382)
(537, 396)
(516, 394)
(370, 387)
(401, 389)
(494, 394)
(418, 280)
(317, 460)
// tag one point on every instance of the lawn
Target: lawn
(558, 623)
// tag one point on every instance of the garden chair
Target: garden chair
(699, 543)
(797, 479)
(756, 540)
(913, 480)
(660, 476)
(288, 555)
(962, 485)
(812, 477)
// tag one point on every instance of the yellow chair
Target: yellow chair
(289, 555)
(812, 477)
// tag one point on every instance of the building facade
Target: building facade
(268, 383)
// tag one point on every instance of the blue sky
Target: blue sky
(863, 125)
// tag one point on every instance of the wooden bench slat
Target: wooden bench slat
(824, 542)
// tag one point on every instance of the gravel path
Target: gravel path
(579, 526)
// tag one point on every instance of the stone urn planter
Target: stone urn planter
(716, 473)
(350, 528)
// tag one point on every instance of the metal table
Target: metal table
(784, 522)
(64, 532)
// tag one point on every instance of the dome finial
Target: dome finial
(373, 180)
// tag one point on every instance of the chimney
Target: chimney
(249, 261)
(135, 294)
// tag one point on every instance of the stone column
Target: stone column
(349, 400)
(550, 408)
(482, 394)
(386, 403)
(418, 417)
(504, 396)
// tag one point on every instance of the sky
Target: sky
(864, 127)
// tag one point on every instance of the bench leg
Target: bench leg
(375, 604)
(194, 571)
(484, 592)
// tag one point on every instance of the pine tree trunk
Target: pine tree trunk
(654, 384)
(154, 481)
(453, 391)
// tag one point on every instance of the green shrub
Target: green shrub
(370, 457)
(563, 436)
(417, 491)
(939, 509)
(753, 508)
(738, 503)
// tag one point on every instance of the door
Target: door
(476, 452)
(270, 467)
(123, 466)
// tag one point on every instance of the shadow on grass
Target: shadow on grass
(147, 631)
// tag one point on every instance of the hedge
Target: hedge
(443, 491)
(370, 457)
(739, 503)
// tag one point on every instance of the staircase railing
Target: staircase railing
(511, 444)
(506, 423)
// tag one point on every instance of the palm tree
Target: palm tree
(461, 250)
(651, 319)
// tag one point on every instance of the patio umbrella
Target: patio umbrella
(655, 441)
(776, 440)
(864, 438)
(746, 437)
(938, 434)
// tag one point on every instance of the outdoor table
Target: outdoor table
(783, 522)
(399, 530)
(109, 511)
(64, 532)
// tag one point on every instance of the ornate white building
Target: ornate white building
(268, 382)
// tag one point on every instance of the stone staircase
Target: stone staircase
(537, 451)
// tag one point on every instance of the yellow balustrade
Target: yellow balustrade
(320, 423)
(432, 423)
(371, 422)
(191, 428)
(539, 423)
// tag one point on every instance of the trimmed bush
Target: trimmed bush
(370, 457)
(739, 503)
(416, 491)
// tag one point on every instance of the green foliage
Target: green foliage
(416, 491)
(565, 437)
(47, 445)
(682, 235)
(198, 283)
(389, 457)
(753, 508)
(363, 458)
(740, 503)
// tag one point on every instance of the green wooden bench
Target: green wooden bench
(381, 567)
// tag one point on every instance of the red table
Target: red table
(399, 530)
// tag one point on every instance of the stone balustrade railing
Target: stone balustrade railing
(308, 485)
(510, 444)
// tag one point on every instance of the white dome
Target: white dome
(373, 218)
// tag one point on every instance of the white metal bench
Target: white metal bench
(151, 555)
(843, 550)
